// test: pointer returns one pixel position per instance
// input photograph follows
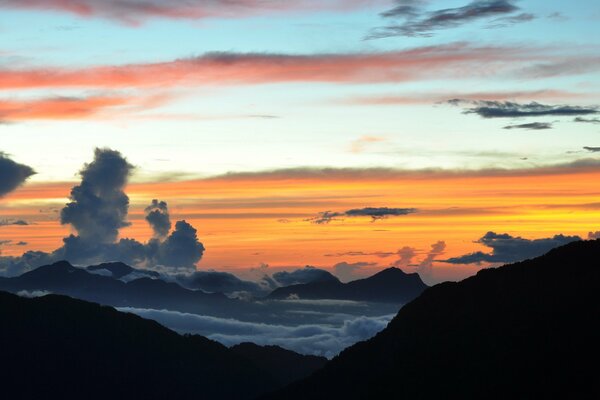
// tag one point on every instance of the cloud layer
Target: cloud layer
(375, 213)
(323, 340)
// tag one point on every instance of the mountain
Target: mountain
(391, 285)
(59, 347)
(63, 278)
(119, 270)
(525, 330)
(284, 365)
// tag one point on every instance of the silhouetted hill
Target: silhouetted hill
(526, 330)
(59, 347)
(391, 285)
(285, 365)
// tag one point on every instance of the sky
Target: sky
(308, 132)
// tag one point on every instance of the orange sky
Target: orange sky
(248, 219)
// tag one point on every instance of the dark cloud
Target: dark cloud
(594, 235)
(413, 20)
(508, 109)
(19, 222)
(98, 210)
(99, 206)
(506, 248)
(406, 255)
(304, 275)
(537, 126)
(12, 174)
(587, 120)
(157, 215)
(375, 213)
(592, 149)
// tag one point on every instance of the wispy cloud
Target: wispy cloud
(536, 126)
(508, 109)
(135, 12)
(375, 213)
(411, 17)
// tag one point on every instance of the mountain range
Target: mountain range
(391, 285)
(525, 330)
(58, 347)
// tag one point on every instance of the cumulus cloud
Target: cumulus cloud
(98, 210)
(536, 126)
(304, 275)
(506, 248)
(324, 340)
(509, 109)
(99, 206)
(411, 18)
(375, 213)
(425, 267)
(12, 174)
(157, 215)
(406, 255)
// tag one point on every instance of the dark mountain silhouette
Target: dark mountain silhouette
(119, 270)
(525, 330)
(59, 347)
(391, 285)
(284, 365)
(63, 278)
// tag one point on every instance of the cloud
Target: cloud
(375, 213)
(12, 174)
(230, 68)
(59, 108)
(18, 222)
(506, 248)
(511, 20)
(594, 235)
(325, 340)
(348, 271)
(508, 109)
(305, 275)
(359, 145)
(99, 206)
(406, 255)
(136, 12)
(425, 267)
(587, 120)
(33, 293)
(537, 126)
(98, 210)
(157, 215)
(592, 149)
(413, 20)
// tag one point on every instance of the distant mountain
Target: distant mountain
(63, 278)
(59, 347)
(526, 330)
(391, 285)
(119, 270)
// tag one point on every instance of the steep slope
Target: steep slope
(526, 330)
(391, 285)
(285, 365)
(58, 347)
